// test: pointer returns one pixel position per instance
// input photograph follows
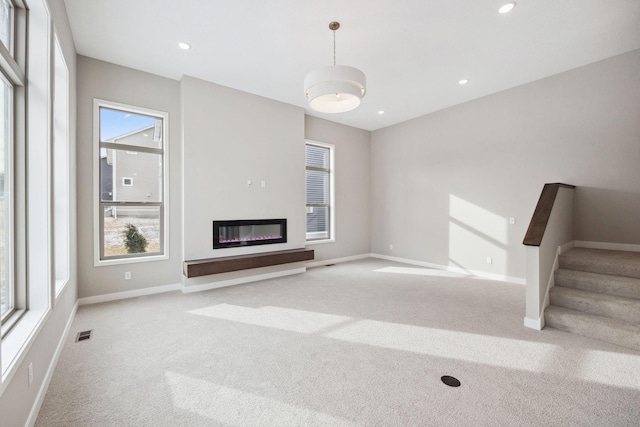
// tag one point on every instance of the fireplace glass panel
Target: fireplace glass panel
(227, 234)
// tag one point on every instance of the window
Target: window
(12, 121)
(6, 252)
(27, 260)
(319, 183)
(6, 25)
(131, 222)
(60, 167)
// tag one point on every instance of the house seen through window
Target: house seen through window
(131, 217)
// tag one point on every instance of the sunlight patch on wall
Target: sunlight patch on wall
(476, 234)
(225, 405)
(470, 250)
(486, 223)
(273, 317)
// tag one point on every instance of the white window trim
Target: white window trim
(97, 103)
(332, 193)
(36, 263)
(12, 64)
(59, 284)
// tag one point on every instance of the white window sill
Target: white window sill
(319, 242)
(134, 260)
(17, 342)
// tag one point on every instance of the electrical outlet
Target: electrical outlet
(248, 183)
(512, 220)
(391, 247)
(489, 260)
(127, 275)
(30, 370)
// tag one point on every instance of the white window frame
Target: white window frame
(332, 192)
(60, 200)
(32, 183)
(97, 203)
(12, 66)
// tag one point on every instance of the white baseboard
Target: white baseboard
(475, 273)
(498, 277)
(35, 409)
(536, 324)
(409, 261)
(567, 246)
(610, 246)
(337, 260)
(241, 280)
(129, 294)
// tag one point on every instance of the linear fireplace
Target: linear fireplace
(248, 232)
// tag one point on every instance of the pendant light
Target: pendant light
(337, 88)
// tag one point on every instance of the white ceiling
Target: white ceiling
(412, 51)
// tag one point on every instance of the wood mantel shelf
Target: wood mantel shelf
(204, 267)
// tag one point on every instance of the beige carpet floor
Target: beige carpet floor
(360, 343)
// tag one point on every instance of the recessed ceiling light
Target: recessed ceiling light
(463, 81)
(381, 112)
(507, 7)
(184, 45)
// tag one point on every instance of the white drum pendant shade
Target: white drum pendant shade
(335, 89)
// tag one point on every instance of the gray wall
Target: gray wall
(97, 79)
(352, 181)
(444, 184)
(18, 398)
(231, 137)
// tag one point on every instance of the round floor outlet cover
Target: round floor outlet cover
(450, 381)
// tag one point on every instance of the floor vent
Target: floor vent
(84, 335)
(450, 381)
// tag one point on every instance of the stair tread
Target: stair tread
(621, 324)
(628, 287)
(603, 261)
(603, 328)
(625, 309)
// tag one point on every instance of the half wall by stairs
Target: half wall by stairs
(597, 295)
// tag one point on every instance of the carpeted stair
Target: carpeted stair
(597, 295)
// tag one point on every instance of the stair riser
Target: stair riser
(628, 312)
(600, 267)
(611, 285)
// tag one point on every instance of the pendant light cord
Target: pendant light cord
(334, 48)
